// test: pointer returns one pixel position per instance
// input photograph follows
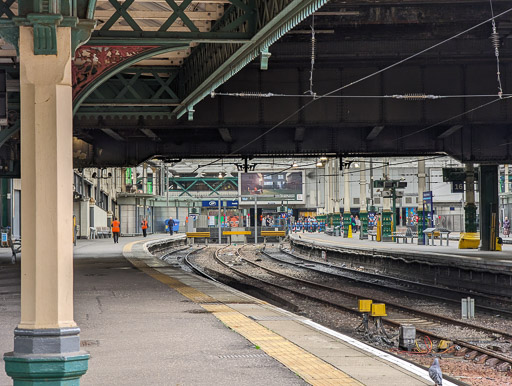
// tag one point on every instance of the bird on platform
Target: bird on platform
(435, 373)
(300, 237)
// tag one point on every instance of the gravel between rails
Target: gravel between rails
(344, 322)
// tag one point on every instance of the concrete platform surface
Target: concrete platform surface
(491, 260)
(147, 323)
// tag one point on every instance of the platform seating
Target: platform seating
(15, 245)
(103, 232)
(403, 236)
(373, 234)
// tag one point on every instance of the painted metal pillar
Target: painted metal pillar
(387, 213)
(507, 185)
(363, 211)
(346, 201)
(421, 188)
(336, 185)
(488, 179)
(144, 178)
(328, 188)
(46, 341)
(470, 225)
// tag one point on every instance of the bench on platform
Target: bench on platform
(103, 232)
(404, 236)
(15, 245)
(198, 235)
(372, 234)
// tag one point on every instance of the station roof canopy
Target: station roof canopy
(142, 82)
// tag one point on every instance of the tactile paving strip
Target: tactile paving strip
(312, 369)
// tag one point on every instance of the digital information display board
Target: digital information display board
(271, 187)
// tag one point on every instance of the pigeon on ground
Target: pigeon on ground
(300, 237)
(435, 373)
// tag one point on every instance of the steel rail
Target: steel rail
(397, 281)
(356, 312)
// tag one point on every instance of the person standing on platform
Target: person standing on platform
(506, 227)
(144, 226)
(358, 223)
(171, 226)
(116, 229)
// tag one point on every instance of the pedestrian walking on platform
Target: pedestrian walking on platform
(506, 227)
(116, 229)
(171, 226)
(144, 226)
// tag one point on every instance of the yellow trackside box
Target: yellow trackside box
(378, 309)
(365, 305)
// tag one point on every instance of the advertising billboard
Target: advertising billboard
(271, 187)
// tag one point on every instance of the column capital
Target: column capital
(45, 31)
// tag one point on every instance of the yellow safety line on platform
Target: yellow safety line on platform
(309, 367)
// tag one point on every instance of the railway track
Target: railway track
(289, 283)
(393, 283)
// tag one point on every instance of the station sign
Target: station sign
(457, 187)
(427, 197)
(215, 204)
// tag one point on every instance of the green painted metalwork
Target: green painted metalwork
(387, 219)
(5, 9)
(8, 132)
(363, 233)
(470, 224)
(274, 19)
(237, 24)
(45, 17)
(136, 86)
(121, 67)
(346, 224)
(64, 369)
(421, 228)
(212, 184)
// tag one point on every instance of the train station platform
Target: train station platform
(491, 261)
(146, 322)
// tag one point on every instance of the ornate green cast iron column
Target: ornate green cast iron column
(421, 189)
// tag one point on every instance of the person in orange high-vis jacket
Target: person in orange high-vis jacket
(116, 229)
(144, 225)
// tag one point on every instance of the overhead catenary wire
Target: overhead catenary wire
(375, 73)
(407, 97)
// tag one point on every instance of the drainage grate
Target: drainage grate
(272, 317)
(89, 343)
(238, 356)
(201, 311)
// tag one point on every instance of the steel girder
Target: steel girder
(480, 143)
(210, 66)
(136, 87)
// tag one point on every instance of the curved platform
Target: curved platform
(147, 322)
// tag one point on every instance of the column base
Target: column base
(346, 224)
(46, 357)
(49, 369)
